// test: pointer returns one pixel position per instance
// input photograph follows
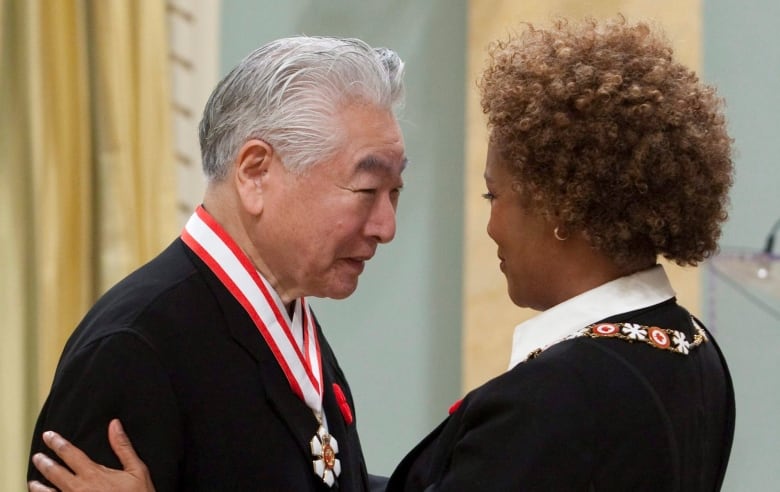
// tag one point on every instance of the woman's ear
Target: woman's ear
(252, 170)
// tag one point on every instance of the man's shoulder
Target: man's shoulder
(156, 298)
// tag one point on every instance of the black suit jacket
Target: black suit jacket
(588, 415)
(171, 353)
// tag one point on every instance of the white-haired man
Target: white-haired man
(209, 354)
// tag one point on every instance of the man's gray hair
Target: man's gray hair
(288, 92)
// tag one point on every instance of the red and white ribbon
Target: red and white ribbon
(293, 342)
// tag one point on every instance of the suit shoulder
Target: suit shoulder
(169, 287)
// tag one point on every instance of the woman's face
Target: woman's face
(527, 247)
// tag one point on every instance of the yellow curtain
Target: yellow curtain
(86, 180)
(134, 156)
(489, 317)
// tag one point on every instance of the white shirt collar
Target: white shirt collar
(629, 293)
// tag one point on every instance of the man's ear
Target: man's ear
(253, 163)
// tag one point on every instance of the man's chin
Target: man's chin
(340, 291)
(342, 294)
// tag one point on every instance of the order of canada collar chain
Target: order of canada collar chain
(660, 338)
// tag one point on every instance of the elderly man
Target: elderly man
(210, 354)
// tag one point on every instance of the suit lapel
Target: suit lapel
(298, 418)
(337, 426)
(353, 472)
(290, 409)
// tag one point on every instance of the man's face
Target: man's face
(327, 222)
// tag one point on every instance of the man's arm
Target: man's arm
(87, 475)
(120, 376)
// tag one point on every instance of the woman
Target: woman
(604, 154)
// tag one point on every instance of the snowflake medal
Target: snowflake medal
(324, 449)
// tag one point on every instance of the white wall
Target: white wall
(742, 58)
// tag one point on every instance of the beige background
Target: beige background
(489, 317)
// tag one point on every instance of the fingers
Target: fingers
(88, 475)
(53, 471)
(122, 446)
(70, 454)
(36, 486)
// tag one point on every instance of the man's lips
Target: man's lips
(358, 262)
(363, 258)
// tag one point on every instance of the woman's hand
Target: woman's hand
(90, 476)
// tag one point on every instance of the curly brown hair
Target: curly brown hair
(610, 136)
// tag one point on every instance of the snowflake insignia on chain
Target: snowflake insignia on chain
(634, 331)
(681, 343)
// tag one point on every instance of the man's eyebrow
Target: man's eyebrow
(373, 163)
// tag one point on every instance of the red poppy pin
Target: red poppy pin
(343, 404)
(455, 406)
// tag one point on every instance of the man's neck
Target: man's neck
(226, 212)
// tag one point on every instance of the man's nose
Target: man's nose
(381, 223)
